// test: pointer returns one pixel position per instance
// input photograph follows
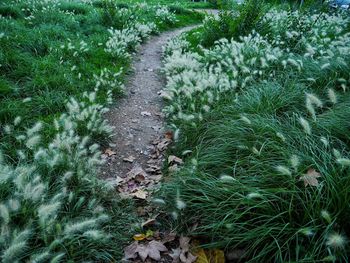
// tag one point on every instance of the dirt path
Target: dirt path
(214, 12)
(137, 117)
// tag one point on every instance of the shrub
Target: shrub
(239, 21)
(164, 15)
(52, 199)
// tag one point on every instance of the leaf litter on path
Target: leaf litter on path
(168, 247)
(138, 182)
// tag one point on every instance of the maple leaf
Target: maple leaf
(185, 255)
(151, 250)
(130, 251)
(310, 178)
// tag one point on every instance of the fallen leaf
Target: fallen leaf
(169, 135)
(145, 113)
(175, 255)
(163, 144)
(210, 256)
(169, 237)
(139, 237)
(174, 159)
(136, 171)
(185, 243)
(153, 168)
(129, 159)
(140, 178)
(148, 222)
(151, 250)
(185, 255)
(141, 194)
(130, 251)
(310, 178)
(109, 152)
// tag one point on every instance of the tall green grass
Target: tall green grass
(250, 143)
(61, 65)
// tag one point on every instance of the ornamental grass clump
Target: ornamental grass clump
(52, 199)
(61, 64)
(266, 151)
(164, 15)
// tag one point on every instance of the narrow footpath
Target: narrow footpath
(137, 117)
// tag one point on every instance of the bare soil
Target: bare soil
(137, 117)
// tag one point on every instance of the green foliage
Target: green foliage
(239, 21)
(60, 65)
(76, 8)
(10, 11)
(255, 118)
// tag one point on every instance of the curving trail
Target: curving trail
(138, 122)
(137, 117)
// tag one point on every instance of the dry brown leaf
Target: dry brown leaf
(141, 194)
(151, 250)
(129, 159)
(136, 171)
(148, 222)
(109, 152)
(185, 255)
(169, 237)
(130, 251)
(169, 135)
(140, 178)
(310, 178)
(175, 255)
(174, 159)
(185, 243)
(163, 144)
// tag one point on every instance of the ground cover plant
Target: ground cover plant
(262, 122)
(61, 64)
